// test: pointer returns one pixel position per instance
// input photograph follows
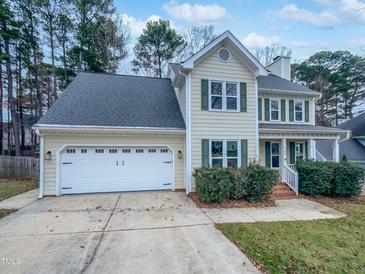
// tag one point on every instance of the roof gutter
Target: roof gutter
(269, 90)
(301, 130)
(109, 129)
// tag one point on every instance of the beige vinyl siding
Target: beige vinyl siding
(287, 98)
(216, 124)
(54, 143)
(180, 94)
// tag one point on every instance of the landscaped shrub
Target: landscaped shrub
(253, 183)
(346, 180)
(212, 184)
(259, 183)
(315, 177)
(327, 178)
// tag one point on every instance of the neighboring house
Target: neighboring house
(221, 107)
(8, 137)
(352, 147)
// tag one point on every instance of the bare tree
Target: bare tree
(196, 38)
(267, 54)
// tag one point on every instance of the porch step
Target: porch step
(282, 192)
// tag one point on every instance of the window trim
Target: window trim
(295, 112)
(230, 55)
(279, 109)
(271, 154)
(224, 156)
(224, 96)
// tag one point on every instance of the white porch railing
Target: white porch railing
(290, 177)
(293, 167)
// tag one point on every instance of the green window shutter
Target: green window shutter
(292, 152)
(244, 153)
(291, 110)
(306, 108)
(259, 105)
(267, 154)
(267, 109)
(282, 110)
(205, 153)
(243, 97)
(204, 94)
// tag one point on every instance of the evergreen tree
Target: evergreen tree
(157, 45)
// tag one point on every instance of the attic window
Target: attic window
(224, 54)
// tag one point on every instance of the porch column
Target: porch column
(283, 156)
(336, 151)
(283, 150)
(312, 149)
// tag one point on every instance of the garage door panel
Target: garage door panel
(106, 172)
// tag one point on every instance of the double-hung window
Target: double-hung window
(275, 155)
(224, 153)
(224, 95)
(298, 111)
(274, 109)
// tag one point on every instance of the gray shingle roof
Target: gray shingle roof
(351, 148)
(97, 99)
(296, 127)
(356, 125)
(273, 82)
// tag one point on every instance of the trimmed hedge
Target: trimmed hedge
(330, 179)
(253, 183)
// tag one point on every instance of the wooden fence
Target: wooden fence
(19, 167)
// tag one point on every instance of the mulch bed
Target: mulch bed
(230, 203)
(327, 200)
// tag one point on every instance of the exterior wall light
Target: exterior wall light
(179, 154)
(48, 155)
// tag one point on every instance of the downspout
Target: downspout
(257, 158)
(187, 132)
(41, 164)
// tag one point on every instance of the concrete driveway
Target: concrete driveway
(146, 232)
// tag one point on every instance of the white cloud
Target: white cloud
(309, 45)
(136, 25)
(254, 40)
(355, 9)
(300, 44)
(325, 19)
(357, 42)
(196, 13)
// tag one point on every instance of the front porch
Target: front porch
(282, 146)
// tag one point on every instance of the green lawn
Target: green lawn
(9, 187)
(321, 246)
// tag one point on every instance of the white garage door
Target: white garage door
(108, 169)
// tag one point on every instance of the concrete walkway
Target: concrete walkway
(20, 201)
(285, 210)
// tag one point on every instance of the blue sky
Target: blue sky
(304, 26)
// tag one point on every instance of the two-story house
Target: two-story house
(221, 107)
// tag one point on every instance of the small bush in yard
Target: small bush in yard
(346, 180)
(259, 183)
(253, 183)
(212, 184)
(315, 177)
